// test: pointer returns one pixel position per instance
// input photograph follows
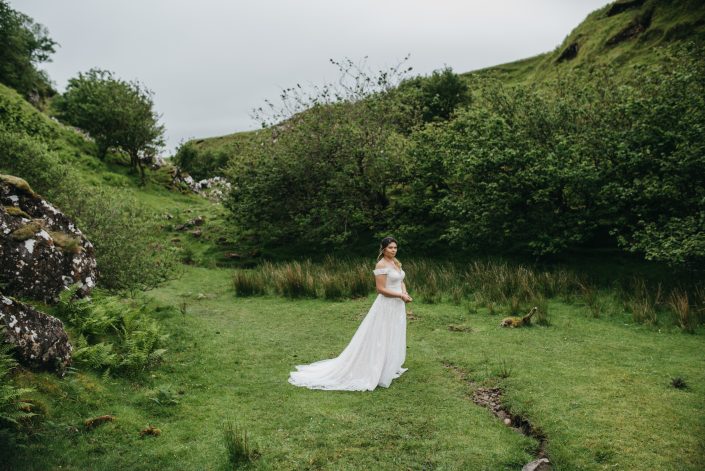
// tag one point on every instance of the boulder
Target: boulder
(42, 252)
(40, 339)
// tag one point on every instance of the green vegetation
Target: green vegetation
(116, 113)
(583, 167)
(61, 165)
(110, 335)
(23, 45)
(15, 409)
(669, 23)
(598, 388)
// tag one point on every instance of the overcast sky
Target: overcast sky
(209, 62)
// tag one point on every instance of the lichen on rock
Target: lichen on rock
(42, 257)
(40, 339)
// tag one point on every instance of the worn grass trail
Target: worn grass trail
(598, 389)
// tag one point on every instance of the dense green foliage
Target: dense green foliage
(14, 409)
(432, 98)
(589, 158)
(201, 163)
(48, 157)
(540, 170)
(321, 179)
(117, 114)
(23, 45)
(111, 335)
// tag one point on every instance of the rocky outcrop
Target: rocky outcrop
(637, 26)
(40, 340)
(569, 53)
(41, 251)
(214, 189)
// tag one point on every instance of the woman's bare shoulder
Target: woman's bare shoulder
(381, 264)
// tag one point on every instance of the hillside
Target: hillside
(61, 163)
(620, 35)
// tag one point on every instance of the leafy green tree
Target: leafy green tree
(433, 98)
(23, 45)
(320, 175)
(116, 113)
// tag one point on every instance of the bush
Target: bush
(586, 158)
(202, 163)
(129, 252)
(24, 44)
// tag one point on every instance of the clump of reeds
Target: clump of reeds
(248, 283)
(237, 445)
(592, 299)
(294, 280)
(680, 305)
(359, 280)
(333, 289)
(541, 316)
(643, 302)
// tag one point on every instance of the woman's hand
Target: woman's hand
(406, 298)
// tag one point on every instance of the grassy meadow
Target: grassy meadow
(599, 389)
(187, 343)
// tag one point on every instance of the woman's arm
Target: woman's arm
(381, 283)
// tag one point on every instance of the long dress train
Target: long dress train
(374, 356)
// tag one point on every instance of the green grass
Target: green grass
(671, 21)
(598, 389)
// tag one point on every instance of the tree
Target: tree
(118, 114)
(23, 45)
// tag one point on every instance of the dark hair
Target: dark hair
(386, 241)
(383, 245)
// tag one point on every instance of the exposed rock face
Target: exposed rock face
(40, 339)
(638, 25)
(41, 251)
(214, 189)
(569, 52)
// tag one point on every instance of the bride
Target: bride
(376, 353)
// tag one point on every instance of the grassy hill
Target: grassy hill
(620, 35)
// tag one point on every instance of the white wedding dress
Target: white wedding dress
(374, 356)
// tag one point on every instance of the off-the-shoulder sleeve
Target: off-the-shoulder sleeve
(381, 271)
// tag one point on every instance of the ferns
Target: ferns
(12, 408)
(112, 335)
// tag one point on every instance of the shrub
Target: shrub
(129, 251)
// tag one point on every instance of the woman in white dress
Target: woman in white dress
(376, 353)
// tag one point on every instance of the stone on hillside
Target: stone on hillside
(42, 252)
(40, 339)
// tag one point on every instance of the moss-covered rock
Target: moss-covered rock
(15, 211)
(26, 231)
(66, 242)
(39, 259)
(18, 183)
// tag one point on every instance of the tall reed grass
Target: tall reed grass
(500, 287)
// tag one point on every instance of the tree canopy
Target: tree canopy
(23, 45)
(116, 113)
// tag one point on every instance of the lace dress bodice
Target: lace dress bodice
(394, 278)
